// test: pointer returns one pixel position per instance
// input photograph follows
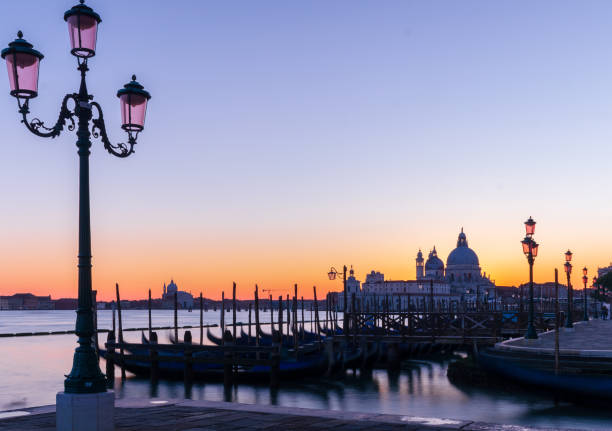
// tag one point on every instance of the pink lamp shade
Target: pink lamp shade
(22, 63)
(331, 274)
(568, 256)
(568, 267)
(534, 249)
(530, 226)
(133, 99)
(83, 30)
(525, 244)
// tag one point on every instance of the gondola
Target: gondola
(572, 382)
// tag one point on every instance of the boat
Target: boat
(577, 377)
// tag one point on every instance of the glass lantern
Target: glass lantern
(22, 64)
(133, 98)
(530, 226)
(83, 29)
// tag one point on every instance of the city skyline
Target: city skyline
(300, 137)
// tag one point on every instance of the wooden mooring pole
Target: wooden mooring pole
(120, 331)
(150, 320)
(556, 321)
(201, 319)
(176, 339)
(234, 311)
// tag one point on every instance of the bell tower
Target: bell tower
(419, 265)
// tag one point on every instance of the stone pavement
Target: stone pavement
(592, 338)
(157, 415)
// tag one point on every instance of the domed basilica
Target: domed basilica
(462, 268)
(461, 279)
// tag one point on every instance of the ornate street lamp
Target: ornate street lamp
(569, 321)
(585, 279)
(22, 64)
(530, 249)
(332, 276)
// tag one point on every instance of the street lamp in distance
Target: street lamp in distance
(530, 249)
(569, 321)
(585, 280)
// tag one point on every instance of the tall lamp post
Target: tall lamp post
(597, 302)
(585, 279)
(332, 276)
(530, 249)
(23, 65)
(569, 321)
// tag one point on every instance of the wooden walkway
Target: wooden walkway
(141, 415)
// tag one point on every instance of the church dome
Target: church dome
(433, 262)
(462, 255)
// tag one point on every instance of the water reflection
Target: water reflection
(420, 388)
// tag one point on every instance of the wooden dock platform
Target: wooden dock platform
(158, 415)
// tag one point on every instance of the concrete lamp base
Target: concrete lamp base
(85, 412)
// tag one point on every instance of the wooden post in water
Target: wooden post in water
(303, 330)
(326, 312)
(234, 311)
(201, 319)
(110, 360)
(295, 319)
(257, 330)
(176, 338)
(271, 315)
(149, 307)
(556, 321)
(316, 307)
(114, 327)
(249, 340)
(280, 317)
(120, 331)
(222, 318)
(277, 343)
(228, 361)
(288, 317)
(295, 325)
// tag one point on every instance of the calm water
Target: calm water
(32, 369)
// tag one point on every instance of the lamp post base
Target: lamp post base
(85, 412)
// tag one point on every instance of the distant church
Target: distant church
(460, 280)
(462, 268)
(184, 299)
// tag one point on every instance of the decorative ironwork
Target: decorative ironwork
(37, 127)
(98, 130)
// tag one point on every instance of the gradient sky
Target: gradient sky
(285, 137)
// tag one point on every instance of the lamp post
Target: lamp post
(332, 276)
(23, 65)
(597, 301)
(569, 321)
(530, 249)
(585, 279)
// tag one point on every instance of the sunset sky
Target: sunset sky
(286, 137)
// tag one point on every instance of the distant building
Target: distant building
(460, 280)
(66, 304)
(603, 271)
(26, 301)
(184, 299)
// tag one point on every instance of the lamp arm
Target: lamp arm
(37, 127)
(98, 130)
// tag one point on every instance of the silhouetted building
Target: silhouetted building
(26, 301)
(184, 299)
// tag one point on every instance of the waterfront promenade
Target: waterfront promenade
(158, 415)
(592, 339)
